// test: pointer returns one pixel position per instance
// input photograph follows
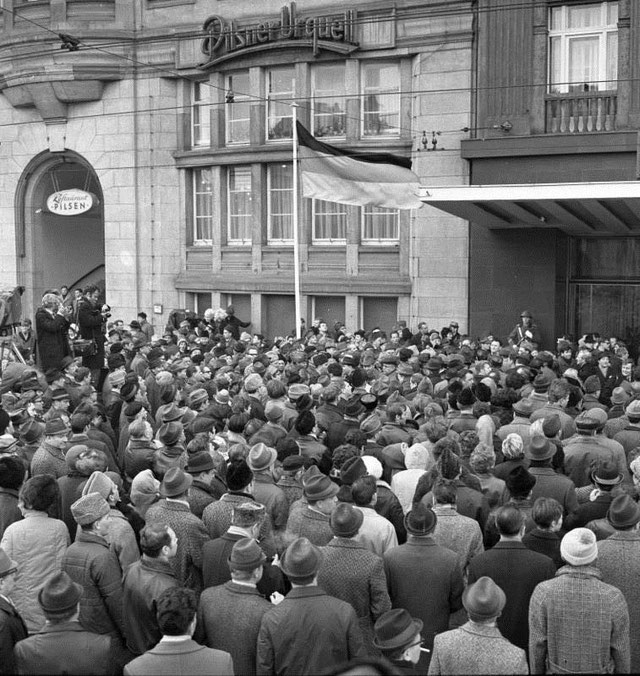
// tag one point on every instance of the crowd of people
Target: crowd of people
(207, 500)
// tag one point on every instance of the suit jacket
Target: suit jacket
(65, 648)
(181, 658)
(476, 649)
(12, 630)
(517, 571)
(552, 485)
(229, 618)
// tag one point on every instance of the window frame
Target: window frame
(379, 241)
(198, 107)
(274, 98)
(328, 241)
(207, 218)
(236, 241)
(328, 94)
(365, 93)
(239, 98)
(274, 241)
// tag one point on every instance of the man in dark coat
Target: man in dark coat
(229, 615)
(51, 330)
(92, 322)
(516, 570)
(309, 631)
(63, 645)
(605, 478)
(12, 627)
(439, 593)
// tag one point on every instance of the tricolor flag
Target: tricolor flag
(363, 179)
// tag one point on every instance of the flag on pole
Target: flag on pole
(363, 179)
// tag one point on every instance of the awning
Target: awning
(611, 208)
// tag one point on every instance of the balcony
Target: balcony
(580, 113)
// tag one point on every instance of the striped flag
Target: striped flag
(363, 179)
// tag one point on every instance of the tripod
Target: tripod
(8, 347)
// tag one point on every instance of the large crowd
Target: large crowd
(202, 499)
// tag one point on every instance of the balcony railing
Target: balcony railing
(580, 113)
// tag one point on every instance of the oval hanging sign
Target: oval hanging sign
(70, 202)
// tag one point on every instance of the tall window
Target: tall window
(238, 107)
(280, 204)
(329, 222)
(379, 225)
(202, 206)
(381, 99)
(583, 48)
(328, 100)
(239, 216)
(200, 114)
(279, 99)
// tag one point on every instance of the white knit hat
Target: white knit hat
(578, 547)
(373, 465)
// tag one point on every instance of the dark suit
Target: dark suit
(181, 658)
(12, 630)
(517, 571)
(65, 648)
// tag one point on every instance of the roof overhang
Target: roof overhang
(611, 208)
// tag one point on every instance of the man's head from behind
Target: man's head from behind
(176, 611)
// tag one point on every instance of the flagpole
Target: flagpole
(296, 236)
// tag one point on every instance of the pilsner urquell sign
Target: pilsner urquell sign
(70, 202)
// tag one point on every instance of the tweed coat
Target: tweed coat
(517, 571)
(306, 522)
(619, 562)
(354, 574)
(48, 460)
(217, 519)
(267, 493)
(181, 658)
(200, 496)
(476, 649)
(578, 624)
(458, 533)
(65, 648)
(242, 608)
(307, 633)
(292, 489)
(187, 564)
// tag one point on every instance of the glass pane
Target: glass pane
(555, 18)
(281, 202)
(555, 67)
(330, 221)
(202, 204)
(200, 114)
(239, 205)
(607, 258)
(329, 101)
(380, 224)
(584, 16)
(611, 310)
(612, 13)
(583, 63)
(238, 112)
(381, 106)
(279, 115)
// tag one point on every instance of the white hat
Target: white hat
(578, 547)
(373, 465)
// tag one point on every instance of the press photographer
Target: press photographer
(92, 320)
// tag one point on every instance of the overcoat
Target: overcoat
(181, 658)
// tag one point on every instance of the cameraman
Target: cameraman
(92, 320)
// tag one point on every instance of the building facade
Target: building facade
(146, 145)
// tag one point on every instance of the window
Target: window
(583, 48)
(238, 109)
(381, 99)
(280, 204)
(239, 212)
(279, 99)
(379, 225)
(200, 114)
(329, 222)
(202, 206)
(328, 100)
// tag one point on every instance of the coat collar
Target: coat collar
(306, 592)
(62, 626)
(345, 543)
(481, 629)
(241, 589)
(157, 566)
(83, 536)
(579, 571)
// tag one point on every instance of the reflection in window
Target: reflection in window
(280, 204)
(200, 114)
(583, 48)
(329, 100)
(238, 110)
(329, 222)
(379, 225)
(279, 99)
(381, 99)
(202, 206)
(239, 205)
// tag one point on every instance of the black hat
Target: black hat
(421, 520)
(520, 481)
(395, 629)
(346, 520)
(238, 475)
(60, 594)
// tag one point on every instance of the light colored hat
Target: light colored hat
(373, 465)
(145, 488)
(513, 446)
(579, 547)
(100, 483)
(261, 457)
(89, 508)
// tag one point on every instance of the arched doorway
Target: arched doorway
(57, 247)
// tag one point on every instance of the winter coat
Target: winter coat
(53, 341)
(91, 324)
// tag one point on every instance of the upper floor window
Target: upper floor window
(200, 114)
(238, 107)
(381, 99)
(280, 203)
(279, 98)
(583, 48)
(239, 214)
(328, 103)
(379, 225)
(202, 206)
(329, 222)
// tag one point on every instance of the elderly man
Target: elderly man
(262, 460)
(311, 520)
(577, 623)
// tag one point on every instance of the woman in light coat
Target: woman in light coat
(37, 544)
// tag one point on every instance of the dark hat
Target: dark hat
(52, 374)
(197, 396)
(388, 358)
(128, 391)
(175, 482)
(246, 555)
(169, 433)
(395, 629)
(623, 512)
(60, 594)
(353, 408)
(31, 430)
(55, 426)
(301, 559)
(319, 487)
(59, 394)
(369, 400)
(393, 456)
(247, 514)
(526, 313)
(484, 599)
(592, 384)
(199, 462)
(293, 462)
(134, 324)
(435, 364)
(539, 448)
(7, 565)
(607, 474)
(346, 520)
(586, 422)
(238, 475)
(173, 413)
(551, 426)
(541, 382)
(520, 481)
(352, 469)
(89, 508)
(261, 457)
(405, 370)
(466, 397)
(421, 520)
(273, 411)
(599, 415)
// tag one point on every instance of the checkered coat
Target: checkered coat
(578, 624)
